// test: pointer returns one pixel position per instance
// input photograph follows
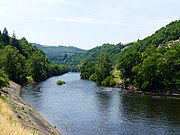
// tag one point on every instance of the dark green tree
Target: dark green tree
(37, 66)
(104, 67)
(127, 62)
(87, 69)
(3, 79)
(5, 37)
(14, 42)
(12, 62)
(1, 41)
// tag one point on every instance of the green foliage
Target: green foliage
(14, 42)
(104, 67)
(30, 80)
(26, 49)
(149, 68)
(3, 79)
(98, 72)
(92, 55)
(60, 82)
(108, 81)
(5, 37)
(159, 70)
(127, 62)
(13, 63)
(93, 77)
(56, 69)
(1, 40)
(36, 66)
(87, 69)
(19, 59)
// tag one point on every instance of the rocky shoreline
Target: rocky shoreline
(26, 114)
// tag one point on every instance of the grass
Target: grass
(9, 125)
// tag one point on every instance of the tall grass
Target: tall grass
(9, 125)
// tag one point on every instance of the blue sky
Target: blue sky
(86, 23)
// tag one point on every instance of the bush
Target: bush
(60, 82)
(109, 81)
(30, 80)
(93, 77)
(85, 75)
(4, 80)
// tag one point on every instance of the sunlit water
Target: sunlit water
(80, 107)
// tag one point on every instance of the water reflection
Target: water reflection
(150, 111)
(104, 101)
(86, 109)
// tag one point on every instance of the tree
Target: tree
(104, 67)
(87, 69)
(12, 62)
(3, 79)
(37, 66)
(147, 75)
(14, 42)
(169, 67)
(1, 40)
(5, 37)
(126, 64)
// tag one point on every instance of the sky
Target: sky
(86, 23)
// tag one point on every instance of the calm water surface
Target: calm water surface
(80, 107)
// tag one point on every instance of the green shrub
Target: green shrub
(30, 80)
(4, 80)
(109, 81)
(60, 82)
(112, 82)
(85, 75)
(93, 77)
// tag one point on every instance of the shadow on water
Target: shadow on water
(161, 115)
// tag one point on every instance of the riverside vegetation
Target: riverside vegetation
(142, 64)
(21, 62)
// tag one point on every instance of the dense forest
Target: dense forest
(21, 62)
(99, 72)
(58, 54)
(151, 64)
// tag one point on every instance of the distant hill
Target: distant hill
(74, 61)
(58, 54)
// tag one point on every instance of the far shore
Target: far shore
(166, 94)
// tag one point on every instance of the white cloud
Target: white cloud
(84, 20)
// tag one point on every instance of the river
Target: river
(80, 107)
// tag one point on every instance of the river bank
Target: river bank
(24, 113)
(153, 93)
